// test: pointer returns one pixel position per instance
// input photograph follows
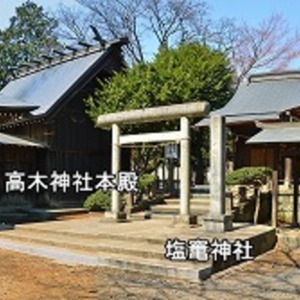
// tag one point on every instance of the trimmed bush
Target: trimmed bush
(146, 181)
(98, 201)
(249, 176)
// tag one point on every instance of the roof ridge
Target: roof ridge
(71, 56)
(278, 75)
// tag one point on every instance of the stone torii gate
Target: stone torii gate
(156, 114)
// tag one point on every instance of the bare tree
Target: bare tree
(113, 19)
(151, 24)
(74, 23)
(271, 45)
(170, 21)
(161, 22)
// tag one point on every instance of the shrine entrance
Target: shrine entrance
(149, 115)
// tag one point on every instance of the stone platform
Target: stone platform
(137, 245)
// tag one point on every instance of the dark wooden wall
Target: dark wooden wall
(73, 143)
(250, 155)
(21, 159)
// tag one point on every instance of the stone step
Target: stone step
(163, 216)
(200, 189)
(200, 196)
(174, 209)
(87, 236)
(124, 248)
(173, 217)
(192, 271)
(194, 202)
(137, 249)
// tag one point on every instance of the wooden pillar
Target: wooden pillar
(295, 222)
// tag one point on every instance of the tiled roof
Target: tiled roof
(264, 98)
(44, 85)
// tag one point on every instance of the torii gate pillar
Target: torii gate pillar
(184, 216)
(115, 212)
(217, 220)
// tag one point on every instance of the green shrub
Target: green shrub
(145, 184)
(98, 201)
(249, 176)
(146, 181)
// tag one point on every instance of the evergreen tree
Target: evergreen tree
(30, 32)
(190, 73)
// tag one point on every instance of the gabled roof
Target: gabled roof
(263, 98)
(44, 86)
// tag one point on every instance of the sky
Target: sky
(251, 11)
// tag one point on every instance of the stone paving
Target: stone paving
(159, 229)
(136, 245)
(274, 275)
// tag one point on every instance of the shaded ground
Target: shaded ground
(275, 275)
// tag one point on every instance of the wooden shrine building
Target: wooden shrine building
(266, 98)
(43, 121)
(264, 118)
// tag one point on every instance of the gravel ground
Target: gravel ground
(275, 275)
